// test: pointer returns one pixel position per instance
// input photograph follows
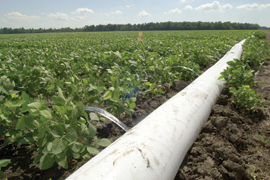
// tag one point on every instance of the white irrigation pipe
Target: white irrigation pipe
(155, 148)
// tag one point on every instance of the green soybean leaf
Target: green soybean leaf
(26, 97)
(71, 89)
(37, 159)
(77, 147)
(101, 86)
(220, 77)
(112, 88)
(3, 90)
(85, 155)
(104, 142)
(21, 124)
(14, 103)
(110, 71)
(26, 140)
(36, 106)
(81, 120)
(2, 97)
(92, 87)
(50, 88)
(85, 115)
(92, 79)
(107, 95)
(74, 114)
(92, 150)
(132, 105)
(47, 114)
(85, 81)
(46, 161)
(30, 121)
(71, 135)
(114, 82)
(120, 110)
(60, 93)
(58, 101)
(61, 159)
(60, 109)
(93, 116)
(76, 155)
(57, 131)
(68, 100)
(58, 146)
(4, 162)
(2, 130)
(115, 95)
(92, 129)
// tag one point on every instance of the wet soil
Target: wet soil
(229, 146)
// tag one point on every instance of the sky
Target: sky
(78, 13)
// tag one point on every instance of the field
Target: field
(48, 79)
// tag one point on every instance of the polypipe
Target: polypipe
(155, 148)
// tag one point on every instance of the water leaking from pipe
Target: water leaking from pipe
(185, 68)
(108, 116)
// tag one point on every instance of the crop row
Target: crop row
(46, 80)
(240, 75)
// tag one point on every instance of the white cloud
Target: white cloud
(173, 11)
(254, 6)
(3, 20)
(78, 18)
(144, 14)
(58, 16)
(227, 6)
(117, 12)
(19, 16)
(188, 7)
(186, 1)
(213, 7)
(128, 6)
(81, 17)
(83, 11)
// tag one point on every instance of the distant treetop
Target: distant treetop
(141, 27)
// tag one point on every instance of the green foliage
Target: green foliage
(237, 74)
(3, 163)
(240, 76)
(44, 78)
(246, 97)
(60, 133)
(260, 34)
(255, 51)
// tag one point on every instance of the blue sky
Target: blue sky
(78, 13)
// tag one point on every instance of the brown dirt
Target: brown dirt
(227, 148)
(231, 145)
(268, 36)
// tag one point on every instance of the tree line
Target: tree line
(141, 27)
